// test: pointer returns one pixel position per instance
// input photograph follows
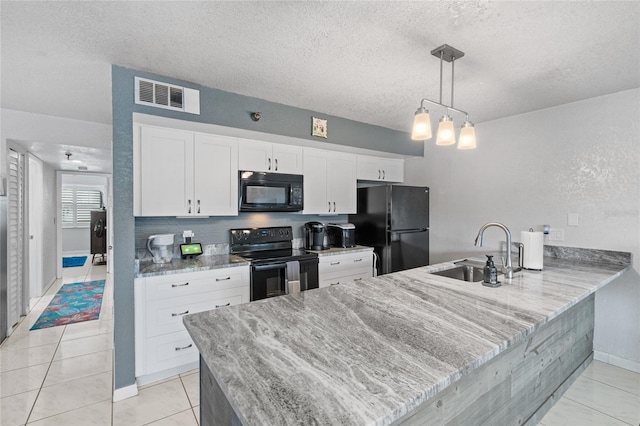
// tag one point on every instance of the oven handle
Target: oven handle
(268, 266)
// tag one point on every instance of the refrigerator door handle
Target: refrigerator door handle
(408, 231)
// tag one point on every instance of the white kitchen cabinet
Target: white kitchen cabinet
(183, 173)
(162, 345)
(380, 169)
(329, 182)
(342, 268)
(258, 156)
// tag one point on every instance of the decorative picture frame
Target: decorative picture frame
(318, 127)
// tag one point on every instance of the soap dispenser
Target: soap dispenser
(490, 273)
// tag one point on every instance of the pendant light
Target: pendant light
(446, 130)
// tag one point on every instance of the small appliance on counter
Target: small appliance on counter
(341, 235)
(314, 233)
(161, 247)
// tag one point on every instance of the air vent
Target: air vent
(162, 95)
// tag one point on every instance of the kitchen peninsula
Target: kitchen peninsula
(404, 348)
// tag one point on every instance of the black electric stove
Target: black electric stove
(276, 267)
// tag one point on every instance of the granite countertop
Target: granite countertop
(146, 267)
(368, 352)
(334, 251)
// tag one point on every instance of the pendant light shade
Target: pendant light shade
(446, 132)
(467, 139)
(421, 125)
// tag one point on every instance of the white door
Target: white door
(35, 226)
(215, 175)
(15, 240)
(315, 182)
(287, 159)
(342, 183)
(255, 156)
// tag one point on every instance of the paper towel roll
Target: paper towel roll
(533, 249)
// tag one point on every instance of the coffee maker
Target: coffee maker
(314, 233)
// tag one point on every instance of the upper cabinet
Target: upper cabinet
(260, 156)
(329, 182)
(183, 173)
(380, 169)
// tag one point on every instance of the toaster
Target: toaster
(341, 234)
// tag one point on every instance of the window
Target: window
(77, 203)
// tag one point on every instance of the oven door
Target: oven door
(268, 280)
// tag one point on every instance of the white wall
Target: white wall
(49, 231)
(534, 169)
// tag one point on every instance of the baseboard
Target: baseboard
(164, 374)
(617, 361)
(48, 286)
(125, 392)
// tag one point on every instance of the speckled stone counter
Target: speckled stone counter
(146, 268)
(372, 352)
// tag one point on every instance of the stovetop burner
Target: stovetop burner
(261, 245)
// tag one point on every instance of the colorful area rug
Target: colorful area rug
(76, 302)
(70, 262)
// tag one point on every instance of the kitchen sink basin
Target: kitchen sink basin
(463, 273)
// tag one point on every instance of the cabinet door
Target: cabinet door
(315, 182)
(215, 176)
(287, 159)
(380, 169)
(342, 183)
(166, 172)
(254, 156)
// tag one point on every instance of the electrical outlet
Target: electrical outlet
(556, 234)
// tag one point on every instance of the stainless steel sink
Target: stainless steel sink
(463, 273)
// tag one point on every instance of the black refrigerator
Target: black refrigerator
(394, 220)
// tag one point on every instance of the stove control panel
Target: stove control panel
(261, 235)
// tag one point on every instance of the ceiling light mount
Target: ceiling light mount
(446, 132)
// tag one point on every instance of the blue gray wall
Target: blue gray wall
(220, 108)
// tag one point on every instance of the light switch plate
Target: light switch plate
(556, 234)
(572, 219)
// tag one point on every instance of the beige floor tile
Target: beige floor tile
(606, 399)
(84, 346)
(87, 329)
(196, 412)
(151, 404)
(79, 366)
(71, 395)
(21, 358)
(567, 412)
(98, 414)
(30, 339)
(620, 378)
(192, 386)
(190, 372)
(183, 418)
(15, 409)
(22, 380)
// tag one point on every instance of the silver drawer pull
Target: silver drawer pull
(182, 313)
(184, 347)
(335, 283)
(358, 279)
(222, 306)
(224, 279)
(179, 285)
(357, 260)
(335, 263)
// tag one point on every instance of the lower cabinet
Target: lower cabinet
(341, 268)
(163, 346)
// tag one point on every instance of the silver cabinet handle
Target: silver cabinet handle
(335, 263)
(379, 174)
(329, 206)
(383, 175)
(181, 313)
(179, 285)
(334, 206)
(358, 279)
(220, 306)
(224, 279)
(189, 205)
(276, 164)
(269, 166)
(357, 260)
(184, 347)
(335, 283)
(198, 206)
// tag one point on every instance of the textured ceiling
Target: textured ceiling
(367, 61)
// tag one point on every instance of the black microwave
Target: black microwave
(269, 192)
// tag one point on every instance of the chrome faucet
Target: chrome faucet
(508, 267)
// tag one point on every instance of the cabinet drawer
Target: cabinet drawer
(165, 316)
(172, 286)
(326, 282)
(169, 351)
(345, 262)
